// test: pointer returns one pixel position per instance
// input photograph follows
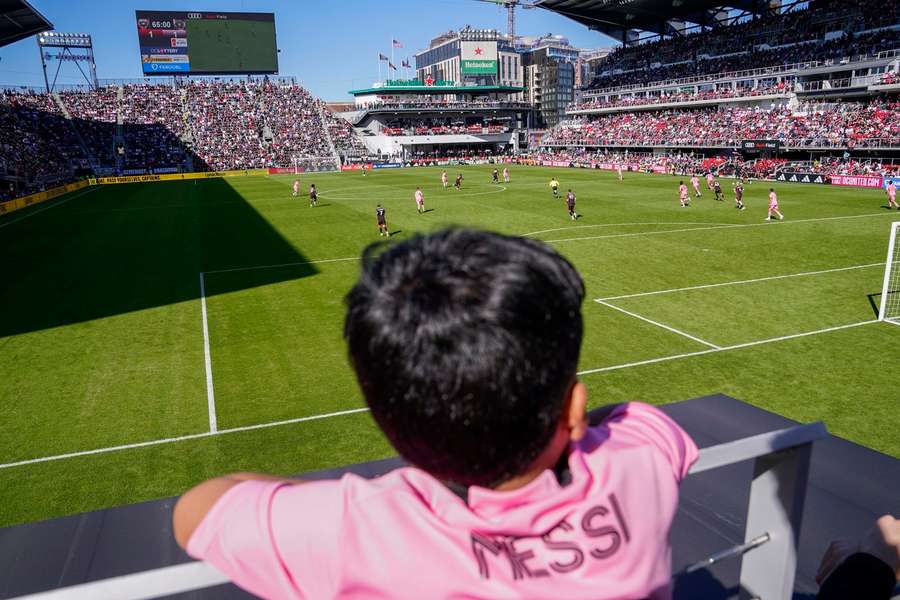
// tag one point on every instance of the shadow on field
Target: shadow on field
(64, 267)
(872, 302)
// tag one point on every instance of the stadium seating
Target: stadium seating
(800, 36)
(855, 125)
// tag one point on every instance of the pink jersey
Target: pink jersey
(682, 191)
(406, 535)
(443, 177)
(892, 191)
(506, 172)
(773, 200)
(296, 186)
(710, 178)
(695, 182)
(420, 197)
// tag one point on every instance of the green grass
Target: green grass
(102, 340)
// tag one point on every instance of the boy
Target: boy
(505, 174)
(547, 505)
(554, 187)
(381, 221)
(773, 206)
(296, 188)
(695, 183)
(570, 204)
(313, 196)
(683, 194)
(420, 201)
(891, 191)
(445, 181)
(739, 195)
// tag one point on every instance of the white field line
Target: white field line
(63, 201)
(183, 438)
(361, 410)
(735, 226)
(622, 225)
(725, 348)
(727, 283)
(210, 393)
(498, 190)
(280, 265)
(892, 322)
(658, 324)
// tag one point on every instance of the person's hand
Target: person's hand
(881, 541)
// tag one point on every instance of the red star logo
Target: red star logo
(479, 51)
(429, 80)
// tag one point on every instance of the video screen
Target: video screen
(206, 43)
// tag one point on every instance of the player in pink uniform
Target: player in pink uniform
(505, 174)
(562, 505)
(710, 178)
(445, 181)
(891, 191)
(695, 183)
(296, 188)
(420, 201)
(773, 206)
(683, 195)
(619, 172)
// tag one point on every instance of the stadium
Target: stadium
(184, 287)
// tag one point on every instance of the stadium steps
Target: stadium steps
(320, 106)
(92, 158)
(846, 492)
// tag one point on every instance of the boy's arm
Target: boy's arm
(195, 504)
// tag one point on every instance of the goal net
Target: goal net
(307, 164)
(889, 309)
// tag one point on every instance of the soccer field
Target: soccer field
(154, 335)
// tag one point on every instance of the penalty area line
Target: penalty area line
(207, 359)
(658, 324)
(183, 438)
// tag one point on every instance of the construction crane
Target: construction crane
(510, 6)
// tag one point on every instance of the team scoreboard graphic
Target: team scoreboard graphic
(206, 43)
(478, 58)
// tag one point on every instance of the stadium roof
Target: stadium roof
(617, 17)
(437, 89)
(18, 20)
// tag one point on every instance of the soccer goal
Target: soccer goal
(314, 164)
(890, 292)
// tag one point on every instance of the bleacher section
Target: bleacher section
(136, 128)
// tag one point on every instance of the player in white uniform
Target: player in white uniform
(619, 172)
(296, 188)
(505, 174)
(445, 181)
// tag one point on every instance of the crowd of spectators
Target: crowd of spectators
(445, 126)
(796, 37)
(722, 93)
(346, 142)
(830, 165)
(838, 125)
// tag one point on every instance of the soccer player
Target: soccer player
(717, 188)
(445, 181)
(495, 175)
(381, 221)
(505, 174)
(891, 191)
(683, 195)
(554, 186)
(296, 188)
(364, 170)
(458, 183)
(773, 206)
(695, 183)
(619, 171)
(570, 204)
(710, 179)
(739, 195)
(420, 201)
(313, 196)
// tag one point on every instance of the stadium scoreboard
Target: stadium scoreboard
(206, 43)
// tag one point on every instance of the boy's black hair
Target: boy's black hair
(465, 344)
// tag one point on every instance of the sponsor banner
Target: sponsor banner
(888, 180)
(178, 176)
(284, 170)
(356, 167)
(761, 145)
(37, 198)
(866, 181)
(802, 177)
(387, 165)
(478, 58)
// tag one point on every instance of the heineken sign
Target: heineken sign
(478, 58)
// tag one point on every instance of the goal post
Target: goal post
(889, 309)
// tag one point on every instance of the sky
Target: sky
(331, 46)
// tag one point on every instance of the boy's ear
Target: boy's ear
(576, 419)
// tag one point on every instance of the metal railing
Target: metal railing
(771, 535)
